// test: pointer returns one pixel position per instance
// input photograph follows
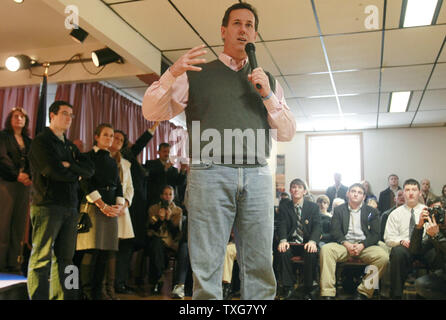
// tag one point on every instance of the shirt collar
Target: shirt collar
(230, 62)
(299, 204)
(96, 149)
(357, 210)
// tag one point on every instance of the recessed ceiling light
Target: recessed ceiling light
(419, 13)
(18, 1)
(399, 101)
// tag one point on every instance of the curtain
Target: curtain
(26, 97)
(94, 103)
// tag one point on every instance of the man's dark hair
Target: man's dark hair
(412, 182)
(55, 106)
(432, 201)
(8, 125)
(299, 182)
(163, 145)
(357, 184)
(237, 6)
(99, 128)
(392, 175)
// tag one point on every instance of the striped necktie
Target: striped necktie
(412, 222)
(299, 234)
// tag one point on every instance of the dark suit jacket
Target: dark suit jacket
(386, 200)
(331, 194)
(369, 224)
(310, 220)
(158, 178)
(10, 156)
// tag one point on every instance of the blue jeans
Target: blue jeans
(218, 199)
(54, 228)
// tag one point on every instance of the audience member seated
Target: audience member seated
(336, 202)
(182, 262)
(433, 285)
(387, 196)
(399, 201)
(15, 187)
(104, 203)
(338, 190)
(230, 257)
(299, 224)
(324, 202)
(399, 228)
(426, 195)
(368, 192)
(443, 194)
(164, 234)
(355, 230)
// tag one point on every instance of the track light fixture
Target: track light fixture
(78, 34)
(105, 56)
(19, 62)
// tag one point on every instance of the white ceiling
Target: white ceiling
(337, 78)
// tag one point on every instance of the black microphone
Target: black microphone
(250, 50)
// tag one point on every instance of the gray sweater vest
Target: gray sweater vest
(226, 118)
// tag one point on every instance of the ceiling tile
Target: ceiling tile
(319, 107)
(295, 107)
(433, 100)
(360, 104)
(285, 19)
(148, 17)
(393, 14)
(387, 120)
(303, 124)
(415, 100)
(405, 78)
(438, 80)
(209, 56)
(205, 18)
(310, 85)
(442, 15)
(413, 45)
(356, 51)
(429, 117)
(366, 81)
(286, 89)
(298, 56)
(343, 16)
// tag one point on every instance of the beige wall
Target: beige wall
(409, 152)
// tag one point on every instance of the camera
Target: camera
(438, 212)
(164, 204)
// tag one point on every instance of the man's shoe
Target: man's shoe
(327, 298)
(227, 291)
(178, 291)
(287, 293)
(124, 290)
(360, 296)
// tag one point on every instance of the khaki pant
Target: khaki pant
(230, 257)
(331, 253)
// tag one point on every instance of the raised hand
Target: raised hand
(187, 61)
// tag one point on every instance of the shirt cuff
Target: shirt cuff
(283, 240)
(120, 200)
(94, 196)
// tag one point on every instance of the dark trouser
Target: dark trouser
(287, 269)
(432, 286)
(14, 201)
(182, 263)
(158, 258)
(54, 229)
(400, 266)
(123, 260)
(92, 272)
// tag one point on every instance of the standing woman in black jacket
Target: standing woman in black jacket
(15, 182)
(103, 203)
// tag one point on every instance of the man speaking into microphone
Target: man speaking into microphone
(231, 185)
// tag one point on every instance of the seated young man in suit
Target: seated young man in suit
(399, 228)
(355, 230)
(299, 223)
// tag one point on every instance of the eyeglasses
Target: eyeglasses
(67, 114)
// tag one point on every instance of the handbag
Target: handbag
(84, 224)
